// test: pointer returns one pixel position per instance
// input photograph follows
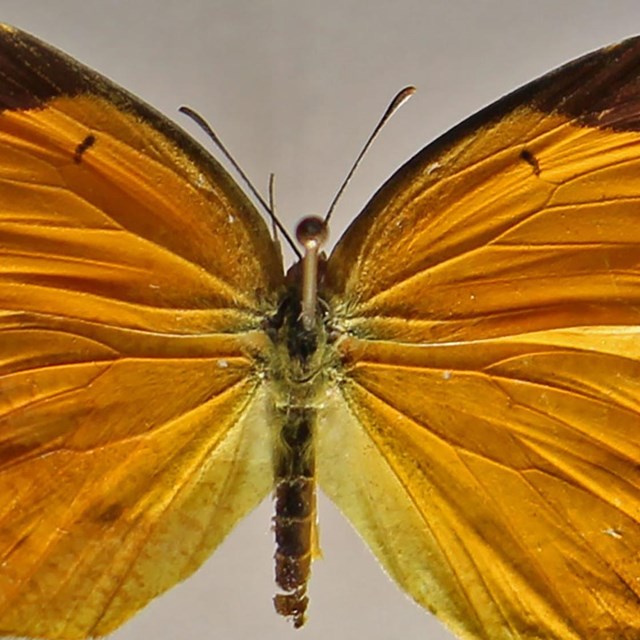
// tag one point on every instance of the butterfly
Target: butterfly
(465, 384)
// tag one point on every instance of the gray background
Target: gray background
(294, 87)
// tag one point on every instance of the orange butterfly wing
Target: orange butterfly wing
(489, 301)
(134, 276)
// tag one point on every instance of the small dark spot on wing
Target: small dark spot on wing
(530, 159)
(108, 514)
(89, 141)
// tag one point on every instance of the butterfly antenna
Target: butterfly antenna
(272, 205)
(204, 125)
(400, 98)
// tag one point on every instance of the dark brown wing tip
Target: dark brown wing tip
(32, 72)
(600, 89)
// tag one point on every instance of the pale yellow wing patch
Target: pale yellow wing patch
(500, 496)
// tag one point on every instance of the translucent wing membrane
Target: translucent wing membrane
(489, 300)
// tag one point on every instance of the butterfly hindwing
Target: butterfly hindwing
(489, 299)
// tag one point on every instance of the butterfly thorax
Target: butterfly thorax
(297, 381)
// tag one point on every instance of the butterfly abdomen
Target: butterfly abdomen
(295, 512)
(297, 380)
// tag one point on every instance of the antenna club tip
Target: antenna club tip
(312, 232)
(401, 97)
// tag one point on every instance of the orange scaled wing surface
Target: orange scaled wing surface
(133, 278)
(489, 303)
